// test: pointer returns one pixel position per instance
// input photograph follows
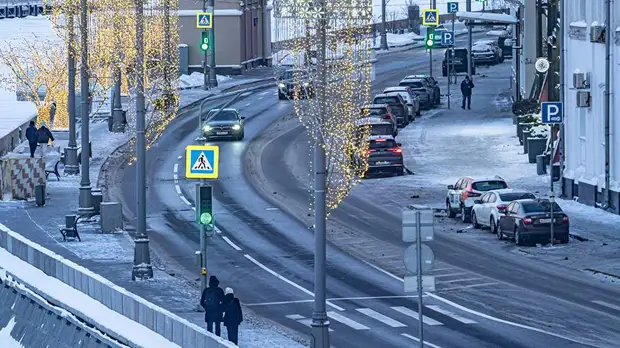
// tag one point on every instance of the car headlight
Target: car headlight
(236, 127)
(207, 128)
(306, 84)
(281, 85)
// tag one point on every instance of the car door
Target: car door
(488, 207)
(505, 221)
(480, 208)
(512, 220)
(453, 195)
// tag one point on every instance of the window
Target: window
(386, 100)
(492, 197)
(416, 84)
(224, 115)
(489, 185)
(485, 198)
(515, 208)
(458, 184)
(510, 207)
(380, 129)
(464, 184)
(513, 196)
(383, 144)
(540, 207)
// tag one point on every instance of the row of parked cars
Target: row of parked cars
(509, 213)
(483, 52)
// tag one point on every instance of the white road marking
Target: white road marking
(346, 321)
(248, 104)
(607, 304)
(271, 209)
(289, 282)
(230, 242)
(176, 168)
(302, 320)
(179, 157)
(263, 93)
(418, 340)
(467, 286)
(186, 201)
(295, 316)
(260, 97)
(383, 271)
(449, 274)
(276, 303)
(451, 315)
(460, 280)
(411, 313)
(380, 317)
(175, 177)
(442, 269)
(361, 298)
(178, 188)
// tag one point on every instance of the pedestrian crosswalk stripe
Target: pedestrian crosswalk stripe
(346, 321)
(380, 317)
(295, 316)
(418, 340)
(451, 315)
(302, 320)
(410, 313)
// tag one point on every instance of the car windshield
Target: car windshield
(380, 129)
(225, 115)
(377, 111)
(458, 54)
(540, 207)
(513, 196)
(382, 144)
(488, 185)
(294, 74)
(413, 84)
(386, 100)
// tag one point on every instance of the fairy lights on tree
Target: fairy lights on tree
(347, 86)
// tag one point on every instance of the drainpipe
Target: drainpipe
(608, 38)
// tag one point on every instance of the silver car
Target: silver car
(411, 98)
(227, 123)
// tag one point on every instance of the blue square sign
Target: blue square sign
(202, 162)
(552, 112)
(453, 7)
(447, 38)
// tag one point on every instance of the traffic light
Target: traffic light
(204, 207)
(204, 43)
(430, 38)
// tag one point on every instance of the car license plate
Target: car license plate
(221, 133)
(544, 221)
(383, 162)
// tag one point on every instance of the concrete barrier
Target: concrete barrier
(165, 323)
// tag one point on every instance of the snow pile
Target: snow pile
(196, 79)
(540, 131)
(6, 340)
(397, 40)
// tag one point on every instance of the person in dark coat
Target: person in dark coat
(211, 300)
(44, 135)
(466, 86)
(233, 316)
(32, 137)
(52, 114)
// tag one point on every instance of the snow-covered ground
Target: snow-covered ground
(196, 79)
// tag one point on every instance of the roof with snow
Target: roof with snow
(487, 17)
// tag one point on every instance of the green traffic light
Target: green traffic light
(430, 42)
(204, 46)
(205, 218)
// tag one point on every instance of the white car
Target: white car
(461, 196)
(412, 99)
(487, 209)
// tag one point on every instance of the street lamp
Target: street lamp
(85, 202)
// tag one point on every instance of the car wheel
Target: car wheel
(518, 240)
(418, 113)
(500, 234)
(400, 171)
(449, 211)
(464, 217)
(493, 227)
(474, 220)
(281, 96)
(564, 240)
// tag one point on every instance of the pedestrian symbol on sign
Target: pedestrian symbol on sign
(204, 20)
(430, 17)
(202, 163)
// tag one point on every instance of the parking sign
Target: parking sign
(552, 112)
(453, 7)
(447, 38)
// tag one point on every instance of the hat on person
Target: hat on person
(43, 124)
(228, 291)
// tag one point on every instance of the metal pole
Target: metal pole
(517, 54)
(470, 59)
(384, 43)
(551, 6)
(85, 204)
(608, 37)
(71, 160)
(142, 268)
(205, 66)
(212, 72)
(539, 44)
(320, 321)
(562, 86)
(430, 51)
(552, 195)
(419, 249)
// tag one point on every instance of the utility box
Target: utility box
(583, 99)
(111, 217)
(581, 80)
(39, 194)
(597, 32)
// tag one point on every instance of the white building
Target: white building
(584, 172)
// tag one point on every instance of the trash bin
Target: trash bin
(555, 172)
(541, 167)
(96, 199)
(39, 194)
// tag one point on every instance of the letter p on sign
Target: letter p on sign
(552, 113)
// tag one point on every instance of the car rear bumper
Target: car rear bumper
(539, 235)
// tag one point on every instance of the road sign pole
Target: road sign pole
(552, 195)
(419, 247)
(205, 82)
(470, 59)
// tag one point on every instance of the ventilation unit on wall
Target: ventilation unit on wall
(581, 80)
(597, 32)
(583, 99)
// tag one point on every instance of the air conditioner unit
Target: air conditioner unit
(583, 99)
(597, 32)
(581, 80)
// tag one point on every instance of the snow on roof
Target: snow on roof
(372, 120)
(580, 24)
(498, 33)
(489, 17)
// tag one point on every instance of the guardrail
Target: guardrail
(163, 322)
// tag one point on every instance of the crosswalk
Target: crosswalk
(448, 278)
(364, 318)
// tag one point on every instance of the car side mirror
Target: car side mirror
(399, 144)
(243, 117)
(478, 201)
(450, 187)
(502, 211)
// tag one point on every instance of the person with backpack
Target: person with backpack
(466, 86)
(44, 135)
(233, 316)
(32, 137)
(211, 300)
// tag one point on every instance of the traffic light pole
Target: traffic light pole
(470, 58)
(212, 73)
(430, 52)
(205, 82)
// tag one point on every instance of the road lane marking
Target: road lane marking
(263, 93)
(230, 242)
(451, 315)
(380, 317)
(411, 313)
(607, 304)
(176, 168)
(295, 316)
(460, 280)
(467, 286)
(361, 298)
(418, 340)
(346, 321)
(248, 104)
(179, 157)
(286, 280)
(302, 320)
(442, 269)
(178, 188)
(383, 271)
(449, 274)
(176, 178)
(185, 200)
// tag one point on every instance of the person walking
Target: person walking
(466, 86)
(44, 135)
(52, 114)
(32, 137)
(233, 316)
(211, 300)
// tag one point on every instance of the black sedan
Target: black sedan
(528, 221)
(226, 123)
(295, 84)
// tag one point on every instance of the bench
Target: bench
(70, 232)
(53, 171)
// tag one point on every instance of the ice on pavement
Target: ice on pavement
(196, 79)
(6, 341)
(62, 293)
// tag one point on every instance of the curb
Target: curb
(246, 83)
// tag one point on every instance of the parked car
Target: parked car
(378, 110)
(384, 155)
(460, 58)
(227, 123)
(413, 103)
(397, 104)
(423, 88)
(378, 126)
(528, 221)
(432, 82)
(461, 196)
(295, 84)
(495, 45)
(487, 209)
(485, 54)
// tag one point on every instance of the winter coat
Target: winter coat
(212, 299)
(466, 87)
(44, 135)
(52, 114)
(233, 316)
(31, 134)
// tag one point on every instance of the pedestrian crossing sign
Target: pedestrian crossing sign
(430, 17)
(204, 20)
(201, 162)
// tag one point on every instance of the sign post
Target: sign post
(447, 39)
(204, 21)
(430, 18)
(552, 114)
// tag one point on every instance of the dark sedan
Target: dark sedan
(295, 84)
(384, 155)
(223, 124)
(528, 221)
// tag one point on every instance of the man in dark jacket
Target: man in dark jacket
(466, 86)
(32, 137)
(52, 114)
(233, 316)
(44, 135)
(211, 300)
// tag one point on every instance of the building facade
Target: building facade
(242, 34)
(584, 109)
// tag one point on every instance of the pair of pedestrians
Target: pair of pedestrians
(36, 137)
(221, 307)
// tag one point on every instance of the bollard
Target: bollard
(96, 198)
(39, 194)
(541, 167)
